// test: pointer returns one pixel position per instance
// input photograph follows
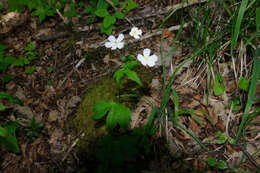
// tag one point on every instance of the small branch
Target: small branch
(154, 33)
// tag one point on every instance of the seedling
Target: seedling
(33, 129)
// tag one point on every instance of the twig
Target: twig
(65, 20)
(154, 33)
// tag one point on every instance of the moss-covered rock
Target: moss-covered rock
(106, 88)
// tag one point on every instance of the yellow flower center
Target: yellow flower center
(146, 58)
(134, 31)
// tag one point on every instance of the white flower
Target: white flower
(135, 32)
(146, 59)
(114, 43)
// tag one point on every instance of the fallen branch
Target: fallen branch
(149, 35)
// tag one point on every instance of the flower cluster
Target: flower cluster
(145, 59)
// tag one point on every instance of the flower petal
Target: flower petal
(154, 58)
(139, 32)
(120, 45)
(131, 33)
(120, 37)
(136, 36)
(114, 46)
(141, 59)
(111, 38)
(150, 63)
(108, 44)
(147, 52)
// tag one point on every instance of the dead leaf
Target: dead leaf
(53, 116)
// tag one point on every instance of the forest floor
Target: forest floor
(71, 59)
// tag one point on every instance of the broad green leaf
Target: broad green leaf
(119, 15)
(243, 84)
(10, 98)
(218, 88)
(7, 78)
(235, 103)
(2, 47)
(222, 138)
(90, 10)
(133, 76)
(10, 141)
(130, 5)
(115, 2)
(3, 132)
(101, 12)
(2, 107)
(119, 114)
(118, 76)
(100, 109)
(102, 4)
(108, 30)
(222, 165)
(231, 141)
(9, 60)
(211, 161)
(131, 64)
(108, 21)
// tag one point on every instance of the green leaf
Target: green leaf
(119, 15)
(235, 103)
(118, 76)
(102, 4)
(7, 78)
(10, 141)
(130, 5)
(3, 132)
(9, 60)
(101, 12)
(211, 161)
(131, 64)
(123, 5)
(72, 12)
(252, 91)
(133, 76)
(30, 70)
(90, 10)
(10, 98)
(231, 141)
(100, 109)
(119, 114)
(2, 107)
(115, 2)
(108, 30)
(124, 59)
(257, 19)
(218, 87)
(30, 47)
(243, 84)
(108, 21)
(236, 30)
(222, 138)
(222, 165)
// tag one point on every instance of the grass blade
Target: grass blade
(235, 33)
(252, 90)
